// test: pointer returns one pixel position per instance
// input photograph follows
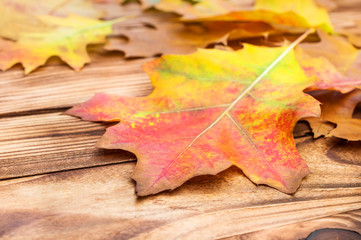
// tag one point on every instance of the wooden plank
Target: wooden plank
(57, 86)
(350, 221)
(43, 143)
(99, 203)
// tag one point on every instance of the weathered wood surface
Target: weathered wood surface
(94, 198)
(57, 86)
(42, 143)
(99, 203)
(349, 223)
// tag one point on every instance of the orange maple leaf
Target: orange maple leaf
(206, 113)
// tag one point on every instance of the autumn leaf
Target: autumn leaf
(20, 16)
(290, 16)
(67, 38)
(34, 32)
(115, 9)
(202, 118)
(198, 8)
(335, 65)
(62, 8)
(336, 117)
(297, 13)
(250, 30)
(166, 36)
(338, 51)
(333, 62)
(354, 36)
(349, 25)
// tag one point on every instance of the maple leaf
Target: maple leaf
(354, 36)
(338, 51)
(290, 16)
(203, 117)
(250, 30)
(19, 16)
(348, 25)
(34, 32)
(168, 36)
(115, 9)
(67, 38)
(199, 8)
(336, 117)
(333, 62)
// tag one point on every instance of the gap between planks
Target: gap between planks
(51, 142)
(57, 86)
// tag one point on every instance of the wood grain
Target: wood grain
(42, 143)
(99, 203)
(348, 221)
(86, 203)
(97, 200)
(57, 86)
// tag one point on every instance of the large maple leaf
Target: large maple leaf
(202, 118)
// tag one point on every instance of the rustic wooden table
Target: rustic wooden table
(56, 185)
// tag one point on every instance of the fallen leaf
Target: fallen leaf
(333, 62)
(336, 50)
(166, 36)
(327, 4)
(34, 32)
(114, 9)
(348, 23)
(198, 8)
(354, 37)
(250, 30)
(67, 38)
(289, 16)
(336, 117)
(202, 118)
(19, 16)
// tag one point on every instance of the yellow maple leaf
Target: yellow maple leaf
(64, 37)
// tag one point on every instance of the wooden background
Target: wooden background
(56, 185)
